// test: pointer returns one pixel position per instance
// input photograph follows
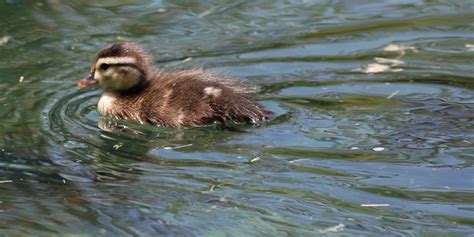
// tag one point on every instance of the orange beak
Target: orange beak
(88, 81)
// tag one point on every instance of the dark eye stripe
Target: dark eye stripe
(121, 64)
(105, 66)
(124, 64)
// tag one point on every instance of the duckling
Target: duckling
(136, 91)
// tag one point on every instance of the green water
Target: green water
(374, 103)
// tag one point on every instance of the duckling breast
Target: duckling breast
(119, 107)
(106, 104)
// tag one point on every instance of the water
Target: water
(374, 103)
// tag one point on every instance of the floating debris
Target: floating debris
(162, 10)
(379, 148)
(387, 64)
(297, 160)
(117, 146)
(470, 47)
(6, 181)
(121, 38)
(392, 48)
(223, 199)
(187, 59)
(382, 65)
(399, 48)
(212, 188)
(183, 146)
(207, 12)
(374, 68)
(392, 62)
(176, 147)
(4, 40)
(374, 205)
(21, 79)
(141, 204)
(255, 159)
(336, 228)
(393, 94)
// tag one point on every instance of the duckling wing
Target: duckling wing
(195, 98)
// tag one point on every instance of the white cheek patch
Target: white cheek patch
(98, 76)
(106, 78)
(119, 77)
(115, 60)
(129, 78)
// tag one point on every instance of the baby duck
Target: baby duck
(135, 91)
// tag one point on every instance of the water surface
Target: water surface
(374, 103)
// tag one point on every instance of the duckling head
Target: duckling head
(119, 67)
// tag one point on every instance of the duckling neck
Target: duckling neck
(136, 89)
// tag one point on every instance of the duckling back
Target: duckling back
(196, 97)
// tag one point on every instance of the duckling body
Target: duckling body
(136, 92)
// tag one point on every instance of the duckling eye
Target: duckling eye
(104, 66)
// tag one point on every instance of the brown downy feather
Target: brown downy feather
(172, 99)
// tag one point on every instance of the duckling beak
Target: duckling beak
(88, 81)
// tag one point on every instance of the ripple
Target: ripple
(73, 110)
